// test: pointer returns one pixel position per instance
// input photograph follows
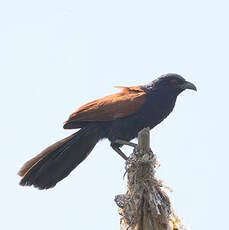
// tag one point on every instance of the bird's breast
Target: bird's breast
(151, 114)
(158, 107)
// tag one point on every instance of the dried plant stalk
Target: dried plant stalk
(145, 206)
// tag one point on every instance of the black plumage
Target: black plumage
(117, 116)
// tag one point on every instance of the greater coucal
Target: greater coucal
(118, 116)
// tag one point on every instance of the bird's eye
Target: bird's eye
(173, 82)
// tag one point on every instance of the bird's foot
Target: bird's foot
(116, 146)
(122, 142)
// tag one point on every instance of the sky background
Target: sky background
(57, 55)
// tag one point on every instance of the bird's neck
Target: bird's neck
(164, 100)
(163, 96)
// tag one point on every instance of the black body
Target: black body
(57, 163)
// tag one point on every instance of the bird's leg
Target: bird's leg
(119, 151)
(116, 146)
(122, 142)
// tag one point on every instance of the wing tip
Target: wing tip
(69, 125)
(66, 125)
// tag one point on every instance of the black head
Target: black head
(171, 82)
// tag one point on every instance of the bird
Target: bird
(118, 117)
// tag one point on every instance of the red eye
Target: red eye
(173, 82)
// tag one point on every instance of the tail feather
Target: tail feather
(27, 165)
(56, 162)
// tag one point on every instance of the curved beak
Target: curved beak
(188, 85)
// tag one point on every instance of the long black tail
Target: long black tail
(56, 162)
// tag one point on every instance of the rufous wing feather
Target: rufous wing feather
(108, 108)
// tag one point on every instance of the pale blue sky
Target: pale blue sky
(56, 55)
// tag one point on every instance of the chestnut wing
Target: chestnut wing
(109, 108)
